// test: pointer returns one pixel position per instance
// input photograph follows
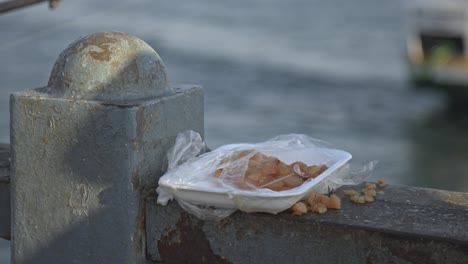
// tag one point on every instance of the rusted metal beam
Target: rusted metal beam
(10, 5)
(403, 225)
(4, 191)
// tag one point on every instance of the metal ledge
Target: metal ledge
(404, 224)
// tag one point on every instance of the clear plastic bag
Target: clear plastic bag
(214, 184)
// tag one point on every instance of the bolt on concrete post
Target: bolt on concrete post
(88, 148)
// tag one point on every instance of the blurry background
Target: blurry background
(334, 70)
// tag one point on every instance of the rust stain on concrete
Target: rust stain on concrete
(187, 243)
(410, 253)
(101, 40)
(97, 40)
(460, 199)
(104, 55)
(140, 233)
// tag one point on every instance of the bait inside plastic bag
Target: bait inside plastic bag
(265, 177)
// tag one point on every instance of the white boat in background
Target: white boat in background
(437, 42)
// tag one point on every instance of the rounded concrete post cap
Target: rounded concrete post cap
(108, 66)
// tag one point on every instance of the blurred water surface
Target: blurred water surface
(333, 70)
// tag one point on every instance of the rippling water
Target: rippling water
(331, 69)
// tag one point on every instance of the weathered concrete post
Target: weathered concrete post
(88, 148)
